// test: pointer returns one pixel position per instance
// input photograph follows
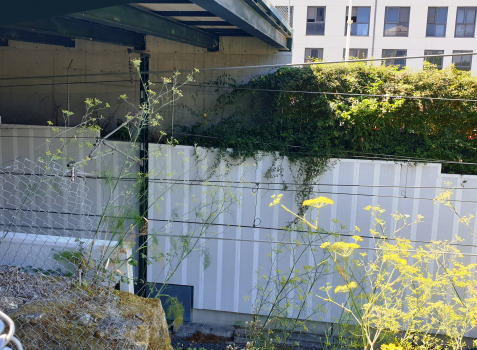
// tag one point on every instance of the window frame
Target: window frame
(437, 23)
(460, 57)
(385, 18)
(356, 22)
(361, 49)
(394, 62)
(320, 49)
(465, 15)
(440, 52)
(324, 20)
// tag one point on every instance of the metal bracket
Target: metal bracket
(256, 221)
(138, 162)
(102, 141)
(76, 173)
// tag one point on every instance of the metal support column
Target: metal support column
(144, 169)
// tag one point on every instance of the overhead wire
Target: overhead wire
(212, 182)
(55, 228)
(332, 193)
(377, 156)
(325, 93)
(271, 242)
(68, 83)
(38, 137)
(238, 226)
(256, 67)
(247, 67)
(366, 156)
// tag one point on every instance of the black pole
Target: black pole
(144, 169)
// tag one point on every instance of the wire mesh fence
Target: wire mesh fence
(63, 252)
(53, 280)
(9, 338)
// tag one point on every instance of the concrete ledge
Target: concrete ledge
(221, 330)
(221, 317)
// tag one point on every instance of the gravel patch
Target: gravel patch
(179, 343)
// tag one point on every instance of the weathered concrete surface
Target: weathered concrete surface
(36, 101)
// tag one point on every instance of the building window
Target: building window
(436, 21)
(283, 10)
(360, 17)
(397, 21)
(465, 22)
(356, 53)
(435, 60)
(311, 54)
(315, 22)
(395, 53)
(463, 62)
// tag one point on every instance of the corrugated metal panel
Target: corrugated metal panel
(238, 253)
(75, 209)
(225, 277)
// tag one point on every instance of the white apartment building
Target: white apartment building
(384, 28)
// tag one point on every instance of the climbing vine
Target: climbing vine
(285, 114)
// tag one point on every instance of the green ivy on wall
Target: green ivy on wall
(282, 114)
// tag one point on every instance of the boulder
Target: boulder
(87, 320)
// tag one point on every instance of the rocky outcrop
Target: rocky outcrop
(134, 323)
(72, 318)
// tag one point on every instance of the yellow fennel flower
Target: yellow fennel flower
(346, 288)
(276, 200)
(318, 203)
(390, 347)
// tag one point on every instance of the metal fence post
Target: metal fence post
(144, 169)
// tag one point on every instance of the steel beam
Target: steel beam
(184, 13)
(270, 13)
(227, 32)
(76, 29)
(208, 23)
(40, 38)
(168, 1)
(242, 15)
(145, 22)
(29, 10)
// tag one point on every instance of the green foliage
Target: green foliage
(123, 133)
(74, 257)
(47, 272)
(175, 311)
(271, 114)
